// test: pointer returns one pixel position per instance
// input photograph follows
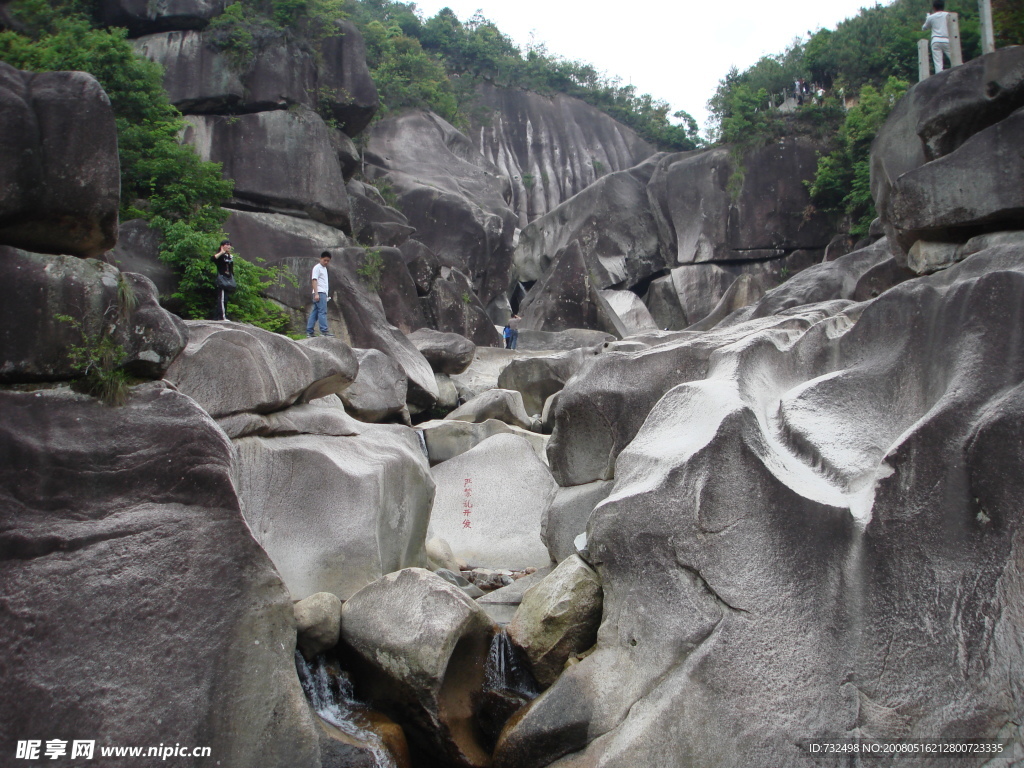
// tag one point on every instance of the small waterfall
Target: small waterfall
(508, 686)
(331, 697)
(505, 670)
(423, 443)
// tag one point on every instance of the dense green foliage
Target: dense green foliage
(162, 180)
(1008, 21)
(843, 180)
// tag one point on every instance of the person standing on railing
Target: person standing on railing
(938, 22)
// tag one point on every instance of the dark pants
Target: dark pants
(513, 339)
(220, 307)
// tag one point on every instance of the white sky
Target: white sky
(674, 51)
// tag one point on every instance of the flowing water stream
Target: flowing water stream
(332, 699)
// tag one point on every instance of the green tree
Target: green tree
(162, 181)
(842, 183)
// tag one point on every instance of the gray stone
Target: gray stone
(571, 338)
(130, 581)
(318, 620)
(447, 393)
(452, 306)
(281, 162)
(37, 345)
(538, 378)
(353, 509)
(197, 77)
(374, 222)
(145, 16)
(447, 438)
(501, 404)
(558, 618)
(566, 297)
(421, 645)
(632, 312)
(979, 184)
(551, 147)
(925, 256)
(325, 416)
(568, 515)
(806, 510)
(490, 502)
(344, 75)
(138, 250)
(711, 208)
(60, 184)
(483, 372)
(230, 368)
(379, 390)
(446, 352)
(470, 590)
(440, 555)
(454, 198)
(613, 225)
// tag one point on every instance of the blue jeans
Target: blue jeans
(319, 312)
(513, 340)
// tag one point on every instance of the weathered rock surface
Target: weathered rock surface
(502, 404)
(558, 618)
(138, 250)
(567, 298)
(568, 515)
(612, 222)
(570, 338)
(451, 306)
(446, 352)
(553, 147)
(537, 378)
(935, 119)
(318, 620)
(631, 311)
(809, 505)
(380, 388)
(355, 314)
(281, 161)
(145, 16)
(709, 208)
(230, 368)
(447, 438)
(36, 345)
(691, 292)
(130, 580)
(373, 221)
(353, 509)
(421, 645)
(456, 200)
(325, 416)
(59, 173)
(490, 502)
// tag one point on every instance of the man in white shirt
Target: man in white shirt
(319, 289)
(938, 22)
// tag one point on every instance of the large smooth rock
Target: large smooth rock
(145, 16)
(138, 250)
(613, 224)
(631, 311)
(230, 368)
(379, 390)
(451, 306)
(355, 313)
(447, 438)
(318, 621)
(37, 345)
(446, 352)
(353, 509)
(558, 618)
(827, 527)
(551, 147)
(568, 515)
(200, 78)
(325, 416)
(60, 184)
(130, 581)
(979, 184)
(418, 646)
(934, 119)
(538, 378)
(490, 502)
(502, 404)
(688, 294)
(712, 207)
(373, 221)
(454, 198)
(281, 161)
(567, 297)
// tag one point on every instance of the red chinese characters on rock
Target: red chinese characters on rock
(467, 502)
